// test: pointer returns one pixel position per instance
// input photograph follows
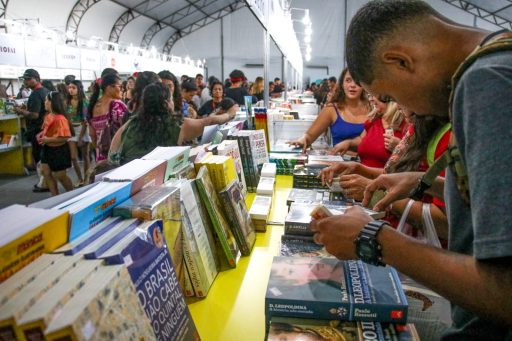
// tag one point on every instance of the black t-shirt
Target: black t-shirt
(207, 108)
(36, 104)
(259, 96)
(237, 94)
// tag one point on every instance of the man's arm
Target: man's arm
(480, 286)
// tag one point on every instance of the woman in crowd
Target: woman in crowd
(188, 91)
(384, 129)
(57, 130)
(424, 142)
(106, 110)
(128, 90)
(258, 88)
(77, 113)
(143, 79)
(217, 92)
(169, 79)
(154, 125)
(345, 114)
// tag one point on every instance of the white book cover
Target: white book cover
(260, 208)
(132, 170)
(230, 148)
(266, 186)
(269, 170)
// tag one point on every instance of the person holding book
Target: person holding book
(392, 49)
(344, 115)
(55, 156)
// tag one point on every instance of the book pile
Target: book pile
(106, 283)
(317, 290)
(260, 211)
(307, 176)
(286, 162)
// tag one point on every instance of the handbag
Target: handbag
(107, 134)
(429, 234)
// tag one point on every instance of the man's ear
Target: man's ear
(399, 59)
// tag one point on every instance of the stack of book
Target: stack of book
(308, 176)
(221, 168)
(286, 162)
(319, 289)
(260, 211)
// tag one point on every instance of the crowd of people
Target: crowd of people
(116, 121)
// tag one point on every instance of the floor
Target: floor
(18, 189)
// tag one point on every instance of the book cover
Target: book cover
(222, 231)
(93, 206)
(175, 157)
(301, 248)
(33, 323)
(88, 237)
(230, 148)
(106, 307)
(27, 233)
(151, 270)
(238, 217)
(198, 243)
(298, 329)
(269, 170)
(266, 186)
(141, 173)
(307, 195)
(326, 288)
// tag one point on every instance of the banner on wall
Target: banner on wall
(12, 50)
(90, 59)
(109, 59)
(40, 53)
(68, 57)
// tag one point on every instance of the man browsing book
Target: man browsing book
(407, 52)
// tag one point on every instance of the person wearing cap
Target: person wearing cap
(34, 115)
(236, 91)
(188, 90)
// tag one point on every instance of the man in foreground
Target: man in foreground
(405, 51)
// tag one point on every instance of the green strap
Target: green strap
(436, 168)
(432, 145)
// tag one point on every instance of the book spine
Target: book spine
(247, 161)
(236, 228)
(193, 271)
(231, 258)
(188, 288)
(297, 238)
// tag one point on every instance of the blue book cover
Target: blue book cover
(110, 238)
(95, 207)
(151, 270)
(88, 237)
(327, 288)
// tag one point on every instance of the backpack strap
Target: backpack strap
(432, 145)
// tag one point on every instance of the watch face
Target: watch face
(365, 250)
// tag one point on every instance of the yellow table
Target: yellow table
(234, 309)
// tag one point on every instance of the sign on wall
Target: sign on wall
(90, 59)
(68, 57)
(12, 50)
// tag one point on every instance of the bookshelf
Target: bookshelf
(12, 159)
(234, 307)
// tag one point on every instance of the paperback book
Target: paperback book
(141, 174)
(260, 211)
(238, 216)
(175, 157)
(326, 288)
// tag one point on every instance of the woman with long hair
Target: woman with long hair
(169, 79)
(128, 90)
(77, 113)
(105, 109)
(344, 115)
(258, 87)
(143, 79)
(57, 130)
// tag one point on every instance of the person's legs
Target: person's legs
(86, 156)
(50, 181)
(64, 179)
(74, 160)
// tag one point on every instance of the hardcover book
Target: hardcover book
(238, 217)
(297, 329)
(175, 157)
(106, 307)
(222, 231)
(26, 234)
(326, 288)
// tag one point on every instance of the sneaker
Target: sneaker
(38, 189)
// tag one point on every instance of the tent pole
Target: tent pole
(266, 65)
(222, 49)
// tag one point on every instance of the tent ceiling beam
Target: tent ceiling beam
(481, 13)
(230, 8)
(3, 7)
(77, 13)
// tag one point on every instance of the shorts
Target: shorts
(57, 158)
(85, 139)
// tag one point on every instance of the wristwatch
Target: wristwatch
(418, 191)
(368, 248)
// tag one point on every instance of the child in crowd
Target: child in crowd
(56, 157)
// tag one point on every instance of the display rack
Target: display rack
(235, 306)
(12, 158)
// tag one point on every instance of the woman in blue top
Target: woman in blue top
(345, 114)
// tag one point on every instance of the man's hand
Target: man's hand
(341, 148)
(398, 186)
(328, 173)
(353, 186)
(337, 233)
